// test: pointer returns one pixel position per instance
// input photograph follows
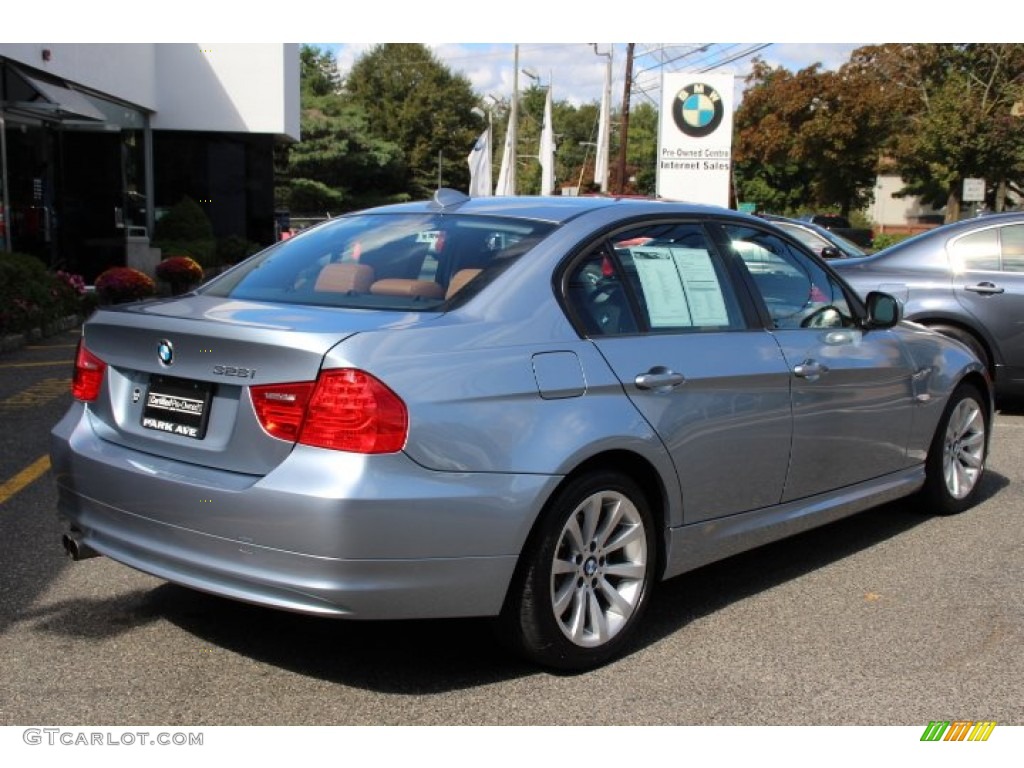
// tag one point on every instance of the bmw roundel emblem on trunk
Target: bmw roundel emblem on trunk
(165, 351)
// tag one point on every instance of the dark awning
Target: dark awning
(48, 101)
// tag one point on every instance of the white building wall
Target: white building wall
(887, 210)
(127, 71)
(231, 87)
(235, 87)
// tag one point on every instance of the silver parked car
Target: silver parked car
(823, 242)
(526, 408)
(965, 280)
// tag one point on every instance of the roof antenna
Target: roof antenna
(446, 198)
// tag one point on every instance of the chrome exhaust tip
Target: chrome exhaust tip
(77, 550)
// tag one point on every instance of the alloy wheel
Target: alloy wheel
(599, 569)
(963, 454)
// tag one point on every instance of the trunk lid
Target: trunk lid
(179, 372)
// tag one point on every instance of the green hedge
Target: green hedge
(31, 296)
(886, 239)
(185, 230)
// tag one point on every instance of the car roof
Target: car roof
(555, 209)
(978, 222)
(928, 238)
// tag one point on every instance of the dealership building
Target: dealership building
(97, 140)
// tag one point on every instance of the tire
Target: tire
(969, 340)
(585, 577)
(956, 459)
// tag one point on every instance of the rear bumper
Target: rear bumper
(325, 533)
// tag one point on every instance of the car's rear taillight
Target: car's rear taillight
(348, 410)
(281, 407)
(88, 377)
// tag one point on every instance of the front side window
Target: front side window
(383, 261)
(796, 290)
(660, 278)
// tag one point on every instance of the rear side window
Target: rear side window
(660, 278)
(976, 251)
(1013, 248)
(384, 261)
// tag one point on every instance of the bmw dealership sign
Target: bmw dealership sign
(695, 138)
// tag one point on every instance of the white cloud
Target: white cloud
(578, 72)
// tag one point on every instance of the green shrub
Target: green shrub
(185, 230)
(31, 296)
(860, 220)
(886, 239)
(234, 248)
(184, 221)
(69, 293)
(204, 252)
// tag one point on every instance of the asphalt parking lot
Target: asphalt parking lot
(888, 618)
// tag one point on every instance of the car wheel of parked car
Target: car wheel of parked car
(956, 459)
(585, 576)
(968, 339)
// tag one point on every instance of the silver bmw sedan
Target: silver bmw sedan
(532, 409)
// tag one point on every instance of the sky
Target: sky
(576, 71)
(555, 38)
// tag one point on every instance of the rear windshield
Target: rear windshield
(383, 261)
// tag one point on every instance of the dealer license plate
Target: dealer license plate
(177, 406)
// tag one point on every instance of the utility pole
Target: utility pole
(624, 133)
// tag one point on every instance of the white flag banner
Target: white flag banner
(480, 166)
(547, 151)
(601, 159)
(506, 184)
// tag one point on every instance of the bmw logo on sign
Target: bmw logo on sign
(165, 351)
(697, 110)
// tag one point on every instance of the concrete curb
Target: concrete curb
(15, 341)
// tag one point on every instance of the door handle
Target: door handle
(811, 370)
(660, 379)
(986, 289)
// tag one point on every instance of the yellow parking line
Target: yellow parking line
(36, 365)
(26, 477)
(39, 393)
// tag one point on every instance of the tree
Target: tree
(318, 72)
(843, 140)
(770, 168)
(339, 164)
(415, 102)
(960, 117)
(642, 149)
(812, 139)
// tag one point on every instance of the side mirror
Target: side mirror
(883, 310)
(831, 252)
